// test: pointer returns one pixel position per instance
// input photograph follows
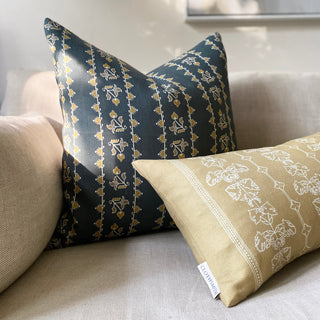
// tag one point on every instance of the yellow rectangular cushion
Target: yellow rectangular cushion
(246, 213)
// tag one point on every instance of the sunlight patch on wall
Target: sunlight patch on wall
(178, 5)
(257, 39)
(174, 52)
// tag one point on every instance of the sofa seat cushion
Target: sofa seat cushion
(149, 277)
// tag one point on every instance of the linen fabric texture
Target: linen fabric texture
(114, 114)
(272, 114)
(30, 192)
(149, 277)
(246, 213)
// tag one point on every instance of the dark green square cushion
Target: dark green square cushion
(114, 114)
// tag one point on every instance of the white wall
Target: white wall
(146, 33)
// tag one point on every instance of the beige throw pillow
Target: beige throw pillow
(246, 213)
(30, 192)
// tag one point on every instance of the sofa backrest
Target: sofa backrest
(268, 108)
(32, 91)
(271, 108)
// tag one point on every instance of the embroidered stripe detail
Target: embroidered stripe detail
(136, 154)
(192, 123)
(74, 204)
(213, 68)
(205, 96)
(99, 137)
(162, 154)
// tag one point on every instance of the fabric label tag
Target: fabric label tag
(209, 279)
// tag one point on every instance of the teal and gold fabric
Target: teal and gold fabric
(114, 114)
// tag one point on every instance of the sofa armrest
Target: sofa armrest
(30, 192)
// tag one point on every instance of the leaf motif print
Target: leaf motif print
(216, 93)
(314, 147)
(262, 240)
(274, 237)
(223, 123)
(116, 231)
(314, 184)
(66, 178)
(52, 40)
(277, 241)
(297, 169)
(116, 124)
(112, 93)
(263, 214)
(306, 230)
(229, 174)
(190, 61)
(119, 180)
(118, 205)
(52, 25)
(245, 190)
(224, 139)
(107, 56)
(179, 148)
(285, 229)
(109, 73)
(301, 187)
(118, 148)
(305, 186)
(280, 259)
(206, 76)
(177, 124)
(278, 155)
(172, 94)
(212, 178)
(316, 204)
(213, 162)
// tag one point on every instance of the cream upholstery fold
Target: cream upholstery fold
(30, 192)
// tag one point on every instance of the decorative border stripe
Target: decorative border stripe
(136, 153)
(223, 220)
(74, 204)
(198, 54)
(205, 95)
(163, 153)
(99, 164)
(194, 137)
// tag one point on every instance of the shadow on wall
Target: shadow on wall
(5, 61)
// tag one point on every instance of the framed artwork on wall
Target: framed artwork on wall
(201, 10)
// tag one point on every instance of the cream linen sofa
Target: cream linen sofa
(155, 276)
